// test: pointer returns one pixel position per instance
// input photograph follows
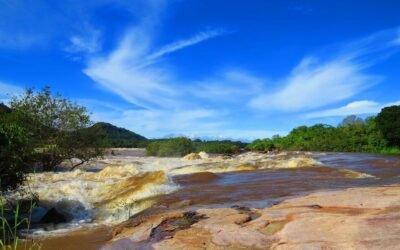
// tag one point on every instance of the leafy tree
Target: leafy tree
(15, 154)
(57, 127)
(261, 145)
(351, 120)
(388, 122)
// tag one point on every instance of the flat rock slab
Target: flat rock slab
(356, 218)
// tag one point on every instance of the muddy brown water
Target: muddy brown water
(260, 188)
(256, 188)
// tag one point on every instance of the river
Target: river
(110, 190)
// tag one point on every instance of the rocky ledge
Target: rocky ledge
(355, 218)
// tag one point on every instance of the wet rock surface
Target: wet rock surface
(355, 218)
(53, 217)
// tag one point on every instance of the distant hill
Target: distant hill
(4, 108)
(113, 136)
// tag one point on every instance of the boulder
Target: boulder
(53, 216)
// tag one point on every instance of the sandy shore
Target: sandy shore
(355, 218)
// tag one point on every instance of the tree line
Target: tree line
(380, 134)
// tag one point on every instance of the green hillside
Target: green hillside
(113, 136)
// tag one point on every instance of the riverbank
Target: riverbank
(354, 218)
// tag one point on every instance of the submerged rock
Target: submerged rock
(54, 217)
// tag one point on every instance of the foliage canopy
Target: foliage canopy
(57, 127)
(388, 121)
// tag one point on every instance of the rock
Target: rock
(53, 216)
(192, 156)
(356, 218)
(180, 204)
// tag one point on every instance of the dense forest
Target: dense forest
(373, 135)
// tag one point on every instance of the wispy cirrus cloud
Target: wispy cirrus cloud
(354, 108)
(229, 86)
(29, 24)
(178, 45)
(315, 82)
(313, 85)
(133, 73)
(88, 43)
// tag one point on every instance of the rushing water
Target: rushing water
(110, 190)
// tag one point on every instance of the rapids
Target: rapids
(110, 190)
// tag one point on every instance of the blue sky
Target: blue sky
(211, 69)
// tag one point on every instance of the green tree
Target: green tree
(388, 122)
(15, 155)
(261, 145)
(58, 127)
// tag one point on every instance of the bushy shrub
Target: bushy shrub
(170, 147)
(217, 147)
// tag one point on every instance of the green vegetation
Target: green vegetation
(218, 147)
(388, 121)
(115, 137)
(170, 147)
(57, 128)
(15, 155)
(39, 130)
(13, 218)
(261, 145)
(182, 146)
(4, 109)
(352, 135)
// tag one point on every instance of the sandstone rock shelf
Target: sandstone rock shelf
(355, 218)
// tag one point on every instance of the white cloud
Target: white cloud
(122, 72)
(89, 43)
(169, 48)
(131, 72)
(396, 41)
(160, 122)
(353, 108)
(317, 82)
(313, 85)
(196, 123)
(229, 86)
(36, 23)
